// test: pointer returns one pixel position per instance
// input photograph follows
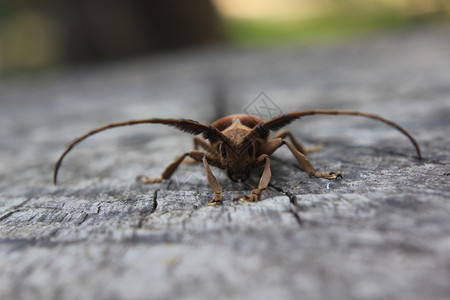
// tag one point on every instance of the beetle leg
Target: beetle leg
(200, 143)
(217, 199)
(271, 146)
(286, 133)
(274, 144)
(306, 165)
(197, 156)
(263, 182)
(170, 169)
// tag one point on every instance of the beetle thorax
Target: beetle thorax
(237, 152)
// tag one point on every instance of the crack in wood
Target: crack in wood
(83, 219)
(293, 202)
(7, 215)
(296, 216)
(292, 198)
(155, 201)
(144, 215)
(14, 209)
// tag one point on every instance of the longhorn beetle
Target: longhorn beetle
(238, 143)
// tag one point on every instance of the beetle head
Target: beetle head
(237, 155)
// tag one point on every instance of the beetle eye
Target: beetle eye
(250, 150)
(222, 151)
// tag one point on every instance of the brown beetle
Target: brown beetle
(238, 144)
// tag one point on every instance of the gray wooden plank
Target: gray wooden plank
(380, 232)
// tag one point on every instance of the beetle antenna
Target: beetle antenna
(189, 126)
(283, 120)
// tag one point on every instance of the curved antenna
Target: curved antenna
(189, 126)
(283, 120)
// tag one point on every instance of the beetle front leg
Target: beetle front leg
(217, 199)
(255, 195)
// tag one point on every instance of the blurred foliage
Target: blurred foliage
(339, 19)
(36, 34)
(324, 28)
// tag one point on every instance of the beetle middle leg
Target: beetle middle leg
(286, 133)
(200, 143)
(306, 165)
(170, 169)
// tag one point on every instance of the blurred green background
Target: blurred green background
(39, 34)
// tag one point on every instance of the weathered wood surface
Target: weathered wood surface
(382, 232)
